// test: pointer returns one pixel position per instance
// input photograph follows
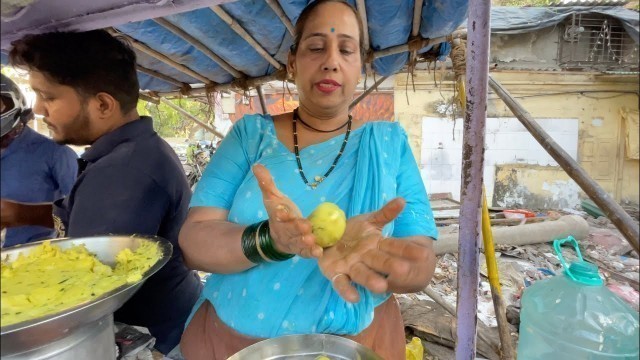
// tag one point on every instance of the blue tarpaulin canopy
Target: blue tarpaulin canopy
(187, 45)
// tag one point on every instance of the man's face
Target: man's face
(65, 112)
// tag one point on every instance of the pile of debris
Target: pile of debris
(519, 266)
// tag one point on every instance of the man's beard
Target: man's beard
(78, 131)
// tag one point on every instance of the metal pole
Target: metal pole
(477, 72)
(263, 102)
(367, 92)
(612, 209)
(191, 117)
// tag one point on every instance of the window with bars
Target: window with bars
(596, 42)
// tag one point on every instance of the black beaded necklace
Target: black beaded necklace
(318, 179)
(298, 118)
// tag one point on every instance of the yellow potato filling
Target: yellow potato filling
(50, 279)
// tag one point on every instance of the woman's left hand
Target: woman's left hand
(364, 256)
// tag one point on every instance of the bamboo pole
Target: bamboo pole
(159, 56)
(149, 98)
(422, 42)
(367, 92)
(263, 102)
(160, 76)
(362, 11)
(494, 282)
(245, 35)
(200, 46)
(252, 82)
(192, 118)
(417, 19)
(232, 86)
(477, 69)
(612, 209)
(275, 6)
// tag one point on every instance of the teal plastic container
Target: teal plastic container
(573, 316)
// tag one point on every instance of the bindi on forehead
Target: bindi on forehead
(333, 30)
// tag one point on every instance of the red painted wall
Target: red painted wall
(376, 106)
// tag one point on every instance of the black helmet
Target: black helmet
(16, 109)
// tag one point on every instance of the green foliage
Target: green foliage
(169, 123)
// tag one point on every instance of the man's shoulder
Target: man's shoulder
(148, 160)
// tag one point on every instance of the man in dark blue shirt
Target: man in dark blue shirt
(130, 181)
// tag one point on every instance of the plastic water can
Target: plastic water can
(573, 316)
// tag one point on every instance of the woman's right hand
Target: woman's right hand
(290, 231)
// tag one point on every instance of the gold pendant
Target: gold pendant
(319, 179)
(313, 185)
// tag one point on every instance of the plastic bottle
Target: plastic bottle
(573, 316)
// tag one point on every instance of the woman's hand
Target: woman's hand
(380, 264)
(290, 231)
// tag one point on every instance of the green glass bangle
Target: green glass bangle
(248, 243)
(266, 244)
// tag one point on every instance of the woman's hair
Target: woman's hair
(308, 11)
(90, 62)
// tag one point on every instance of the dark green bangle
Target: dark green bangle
(249, 245)
(265, 242)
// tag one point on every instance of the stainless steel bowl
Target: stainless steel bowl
(306, 347)
(37, 333)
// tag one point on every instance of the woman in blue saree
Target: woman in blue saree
(269, 173)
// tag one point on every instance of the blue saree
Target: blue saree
(293, 297)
